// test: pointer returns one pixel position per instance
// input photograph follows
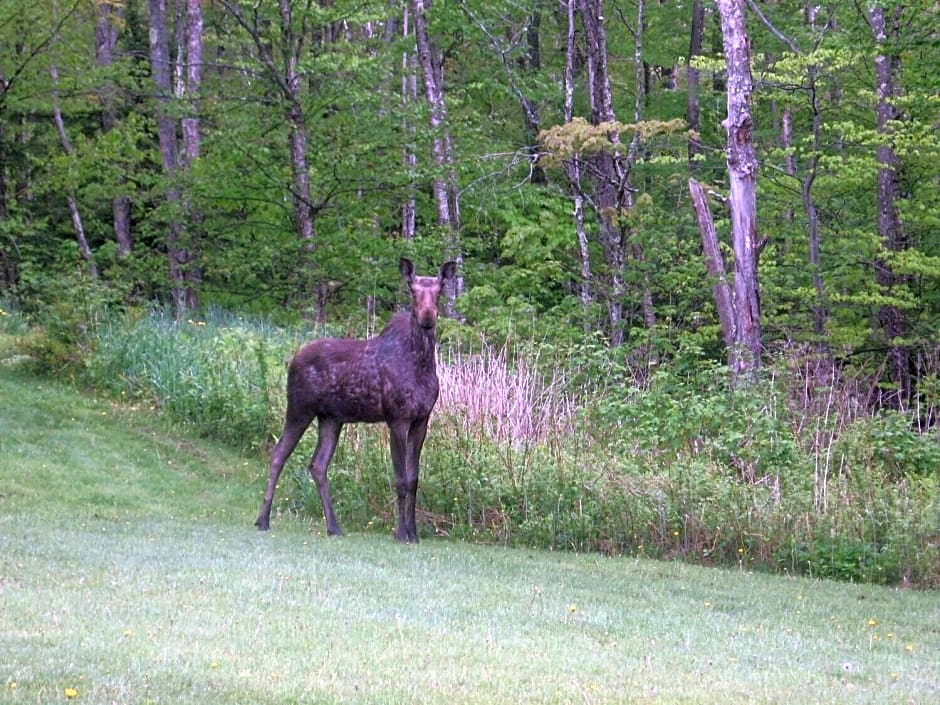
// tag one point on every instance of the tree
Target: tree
(24, 48)
(808, 77)
(885, 26)
(110, 17)
(160, 66)
(692, 110)
(742, 177)
(445, 188)
(189, 65)
(83, 247)
(738, 303)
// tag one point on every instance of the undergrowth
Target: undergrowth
(568, 450)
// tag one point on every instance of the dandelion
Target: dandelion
(71, 693)
(128, 632)
(909, 648)
(872, 622)
(572, 608)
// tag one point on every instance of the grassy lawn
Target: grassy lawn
(130, 572)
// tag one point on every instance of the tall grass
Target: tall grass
(221, 375)
(576, 451)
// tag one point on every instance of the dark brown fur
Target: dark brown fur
(390, 378)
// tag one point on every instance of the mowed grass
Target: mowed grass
(130, 572)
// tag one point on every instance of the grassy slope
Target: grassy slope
(130, 572)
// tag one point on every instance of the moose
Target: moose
(390, 378)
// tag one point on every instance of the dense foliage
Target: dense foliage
(612, 306)
(537, 452)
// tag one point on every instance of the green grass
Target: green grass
(130, 572)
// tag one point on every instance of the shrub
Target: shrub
(664, 459)
(64, 325)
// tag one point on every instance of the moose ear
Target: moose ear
(407, 269)
(448, 271)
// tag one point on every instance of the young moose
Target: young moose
(390, 378)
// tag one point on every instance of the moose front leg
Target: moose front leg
(415, 442)
(406, 483)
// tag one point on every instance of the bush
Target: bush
(64, 326)
(666, 460)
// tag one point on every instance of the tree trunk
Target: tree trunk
(530, 62)
(409, 96)
(714, 264)
(83, 248)
(106, 35)
(285, 78)
(890, 318)
(169, 153)
(191, 85)
(297, 137)
(573, 171)
(432, 72)
(820, 315)
(7, 263)
(692, 111)
(608, 167)
(530, 112)
(626, 194)
(445, 182)
(742, 176)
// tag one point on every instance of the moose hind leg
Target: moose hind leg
(327, 437)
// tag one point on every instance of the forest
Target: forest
(712, 226)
